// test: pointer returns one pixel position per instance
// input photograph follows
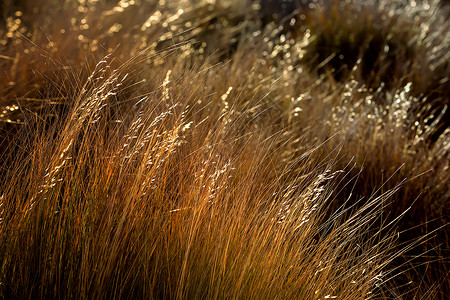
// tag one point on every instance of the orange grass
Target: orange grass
(184, 150)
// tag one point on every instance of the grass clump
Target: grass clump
(188, 150)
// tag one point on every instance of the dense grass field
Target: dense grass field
(198, 149)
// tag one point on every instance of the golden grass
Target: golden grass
(182, 150)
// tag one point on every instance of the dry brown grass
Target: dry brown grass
(185, 151)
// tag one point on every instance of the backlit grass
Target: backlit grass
(201, 149)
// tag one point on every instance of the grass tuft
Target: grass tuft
(199, 149)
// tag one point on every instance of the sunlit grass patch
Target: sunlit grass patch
(188, 149)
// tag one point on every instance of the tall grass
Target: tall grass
(188, 150)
